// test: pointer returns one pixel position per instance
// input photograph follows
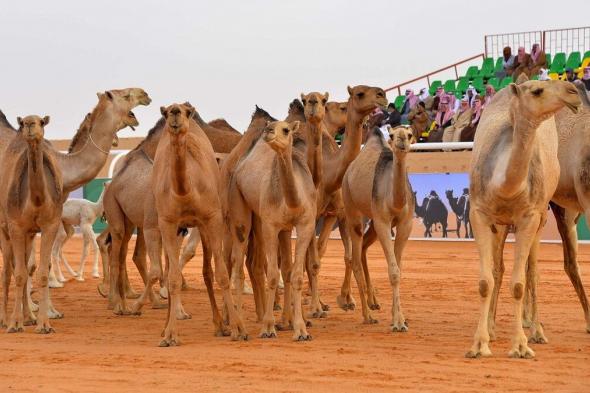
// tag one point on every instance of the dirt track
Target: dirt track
(95, 351)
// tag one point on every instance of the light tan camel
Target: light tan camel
(185, 183)
(376, 186)
(514, 174)
(274, 182)
(335, 119)
(31, 201)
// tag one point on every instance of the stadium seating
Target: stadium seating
(449, 85)
(399, 102)
(462, 85)
(487, 68)
(433, 86)
(573, 60)
(472, 72)
(558, 63)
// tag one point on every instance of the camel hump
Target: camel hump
(4, 121)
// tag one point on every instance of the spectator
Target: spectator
(460, 120)
(394, 118)
(509, 64)
(444, 115)
(453, 102)
(544, 74)
(409, 104)
(538, 60)
(419, 120)
(524, 61)
(586, 78)
(427, 99)
(569, 75)
(470, 95)
(468, 133)
(490, 92)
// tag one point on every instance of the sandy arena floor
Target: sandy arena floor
(96, 351)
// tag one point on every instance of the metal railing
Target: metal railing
(552, 41)
(427, 76)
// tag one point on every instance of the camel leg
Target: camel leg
(30, 318)
(484, 238)
(56, 277)
(272, 275)
(69, 230)
(305, 242)
(355, 229)
(369, 238)
(7, 271)
(120, 234)
(17, 239)
(286, 269)
(31, 267)
(345, 300)
(499, 239)
(257, 259)
(208, 277)
(526, 235)
(210, 235)
(566, 224)
(383, 230)
(314, 264)
(172, 250)
(532, 278)
(89, 238)
(189, 251)
(47, 241)
(152, 239)
(322, 242)
(104, 241)
(95, 251)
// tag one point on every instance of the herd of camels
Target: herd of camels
(532, 149)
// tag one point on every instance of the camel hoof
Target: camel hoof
(521, 353)
(344, 303)
(308, 324)
(303, 337)
(268, 335)
(55, 284)
(319, 314)
(164, 293)
(79, 278)
(15, 329)
(402, 328)
(54, 314)
(44, 330)
(102, 291)
(220, 332)
(375, 306)
(132, 295)
(183, 316)
(169, 342)
(476, 354)
(241, 337)
(30, 322)
(283, 327)
(95, 275)
(159, 306)
(118, 310)
(325, 307)
(538, 338)
(370, 321)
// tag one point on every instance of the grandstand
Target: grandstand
(564, 48)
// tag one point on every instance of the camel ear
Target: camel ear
(45, 121)
(326, 96)
(189, 111)
(303, 98)
(294, 126)
(349, 90)
(99, 94)
(109, 95)
(19, 120)
(163, 111)
(514, 89)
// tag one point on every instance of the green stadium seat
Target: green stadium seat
(558, 63)
(499, 64)
(534, 77)
(487, 68)
(548, 57)
(586, 55)
(399, 102)
(494, 82)
(462, 84)
(458, 94)
(479, 85)
(505, 82)
(472, 72)
(433, 86)
(573, 60)
(449, 86)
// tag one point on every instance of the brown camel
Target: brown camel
(222, 124)
(335, 119)
(514, 174)
(274, 182)
(186, 193)
(31, 201)
(376, 186)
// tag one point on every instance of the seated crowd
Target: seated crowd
(445, 118)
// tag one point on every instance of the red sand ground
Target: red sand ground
(96, 351)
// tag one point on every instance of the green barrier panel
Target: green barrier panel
(92, 191)
(583, 231)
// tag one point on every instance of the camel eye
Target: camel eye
(537, 92)
(286, 131)
(324, 101)
(360, 95)
(343, 109)
(304, 102)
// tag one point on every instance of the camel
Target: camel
(82, 213)
(184, 153)
(30, 202)
(419, 120)
(222, 124)
(460, 207)
(376, 186)
(432, 211)
(335, 118)
(274, 182)
(514, 174)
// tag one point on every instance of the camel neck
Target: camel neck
(178, 168)
(98, 205)
(314, 151)
(36, 174)
(331, 127)
(521, 152)
(400, 187)
(350, 147)
(82, 166)
(287, 178)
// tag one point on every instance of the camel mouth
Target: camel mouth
(268, 136)
(145, 100)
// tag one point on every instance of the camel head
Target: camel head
(314, 106)
(32, 127)
(119, 104)
(364, 99)
(130, 121)
(541, 99)
(134, 95)
(336, 114)
(449, 193)
(400, 139)
(279, 134)
(178, 117)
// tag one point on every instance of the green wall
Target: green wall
(583, 232)
(91, 191)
